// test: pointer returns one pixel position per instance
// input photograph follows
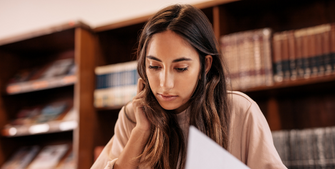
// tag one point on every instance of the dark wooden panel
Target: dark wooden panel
(85, 50)
(278, 15)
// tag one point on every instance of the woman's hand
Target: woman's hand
(139, 135)
(142, 122)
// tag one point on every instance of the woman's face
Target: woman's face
(172, 68)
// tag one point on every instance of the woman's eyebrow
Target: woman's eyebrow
(153, 58)
(176, 60)
(182, 59)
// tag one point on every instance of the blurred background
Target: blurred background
(67, 67)
(20, 16)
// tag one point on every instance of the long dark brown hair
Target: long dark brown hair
(209, 111)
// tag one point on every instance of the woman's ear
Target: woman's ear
(208, 62)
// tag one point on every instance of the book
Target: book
(49, 157)
(248, 58)
(26, 116)
(115, 84)
(292, 55)
(325, 49)
(306, 148)
(332, 48)
(22, 75)
(265, 56)
(52, 111)
(68, 162)
(229, 49)
(203, 152)
(303, 53)
(54, 116)
(58, 68)
(56, 73)
(21, 158)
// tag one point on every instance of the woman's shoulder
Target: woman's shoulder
(241, 104)
(129, 112)
(239, 99)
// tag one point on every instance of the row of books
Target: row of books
(304, 53)
(55, 116)
(260, 57)
(116, 84)
(59, 72)
(58, 156)
(307, 148)
(248, 58)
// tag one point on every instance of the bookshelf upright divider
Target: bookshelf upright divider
(85, 57)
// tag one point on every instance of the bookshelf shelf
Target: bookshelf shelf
(42, 128)
(40, 84)
(330, 79)
(109, 108)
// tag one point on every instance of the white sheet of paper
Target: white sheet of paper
(203, 152)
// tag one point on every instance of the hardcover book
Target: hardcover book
(21, 158)
(49, 157)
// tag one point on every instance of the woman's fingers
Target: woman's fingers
(140, 85)
(142, 122)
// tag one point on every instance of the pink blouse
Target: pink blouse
(250, 138)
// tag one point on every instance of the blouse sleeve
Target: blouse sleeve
(261, 151)
(114, 147)
(251, 138)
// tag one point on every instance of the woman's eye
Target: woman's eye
(154, 67)
(181, 69)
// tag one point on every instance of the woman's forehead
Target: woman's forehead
(169, 45)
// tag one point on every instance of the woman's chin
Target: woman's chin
(175, 108)
(169, 107)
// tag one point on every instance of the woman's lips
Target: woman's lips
(166, 97)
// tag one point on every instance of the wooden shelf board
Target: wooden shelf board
(293, 83)
(109, 108)
(144, 18)
(44, 31)
(41, 84)
(43, 128)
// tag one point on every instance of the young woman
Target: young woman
(183, 83)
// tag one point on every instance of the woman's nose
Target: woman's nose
(166, 80)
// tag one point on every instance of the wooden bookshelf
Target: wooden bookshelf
(35, 50)
(298, 104)
(288, 104)
(41, 84)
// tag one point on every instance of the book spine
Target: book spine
(267, 60)
(249, 74)
(298, 34)
(332, 47)
(313, 58)
(277, 58)
(258, 76)
(318, 50)
(285, 55)
(325, 47)
(292, 55)
(116, 84)
(305, 54)
(225, 52)
(238, 39)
